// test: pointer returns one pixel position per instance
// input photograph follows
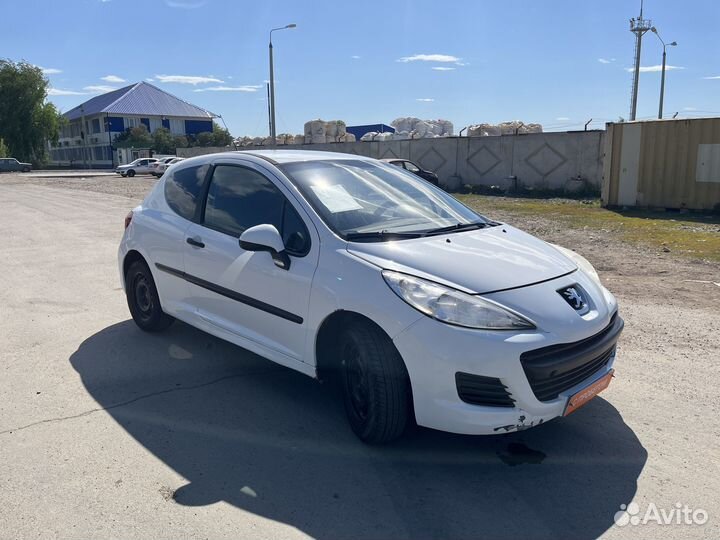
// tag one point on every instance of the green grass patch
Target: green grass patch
(689, 234)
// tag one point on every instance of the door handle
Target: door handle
(195, 242)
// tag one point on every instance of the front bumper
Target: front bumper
(520, 380)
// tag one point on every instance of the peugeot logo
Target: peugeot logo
(575, 296)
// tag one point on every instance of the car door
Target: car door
(244, 292)
(142, 166)
(163, 227)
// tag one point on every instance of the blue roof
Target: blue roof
(142, 99)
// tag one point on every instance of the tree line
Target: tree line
(162, 141)
(27, 120)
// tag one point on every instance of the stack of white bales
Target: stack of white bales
(319, 131)
(415, 128)
(504, 128)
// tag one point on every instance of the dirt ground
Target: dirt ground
(106, 431)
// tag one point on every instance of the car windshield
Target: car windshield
(364, 201)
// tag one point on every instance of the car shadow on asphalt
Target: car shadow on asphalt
(275, 443)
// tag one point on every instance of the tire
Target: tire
(376, 387)
(143, 299)
(26, 169)
(131, 173)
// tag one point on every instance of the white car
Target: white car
(340, 265)
(139, 166)
(155, 168)
(163, 166)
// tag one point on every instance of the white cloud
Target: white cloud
(355, 57)
(653, 69)
(443, 68)
(425, 99)
(443, 58)
(59, 92)
(712, 78)
(689, 108)
(187, 79)
(246, 88)
(562, 118)
(185, 4)
(112, 79)
(150, 80)
(606, 60)
(50, 71)
(99, 88)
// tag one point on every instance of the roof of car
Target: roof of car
(290, 156)
(390, 160)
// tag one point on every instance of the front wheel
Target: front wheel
(131, 173)
(375, 383)
(143, 299)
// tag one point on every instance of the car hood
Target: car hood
(480, 261)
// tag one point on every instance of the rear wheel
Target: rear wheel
(143, 299)
(131, 173)
(375, 383)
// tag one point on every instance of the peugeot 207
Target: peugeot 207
(343, 267)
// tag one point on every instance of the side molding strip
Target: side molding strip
(233, 295)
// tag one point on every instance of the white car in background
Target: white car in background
(343, 267)
(162, 167)
(155, 167)
(139, 166)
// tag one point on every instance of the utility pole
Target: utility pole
(662, 77)
(272, 84)
(638, 26)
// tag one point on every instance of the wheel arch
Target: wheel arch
(327, 340)
(130, 257)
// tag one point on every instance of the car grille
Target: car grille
(479, 390)
(552, 370)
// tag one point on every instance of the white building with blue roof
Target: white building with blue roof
(87, 138)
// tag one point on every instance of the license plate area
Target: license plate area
(583, 396)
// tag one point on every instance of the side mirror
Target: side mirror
(266, 238)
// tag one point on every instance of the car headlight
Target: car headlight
(582, 262)
(452, 306)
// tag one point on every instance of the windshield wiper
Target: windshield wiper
(457, 227)
(381, 236)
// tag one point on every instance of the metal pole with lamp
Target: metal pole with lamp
(662, 77)
(272, 84)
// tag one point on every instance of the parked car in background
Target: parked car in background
(13, 165)
(154, 167)
(162, 167)
(413, 168)
(346, 268)
(139, 166)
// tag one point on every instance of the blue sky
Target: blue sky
(558, 63)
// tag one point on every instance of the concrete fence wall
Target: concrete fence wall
(538, 160)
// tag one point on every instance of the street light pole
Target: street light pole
(272, 84)
(662, 76)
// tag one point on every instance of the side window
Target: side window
(295, 235)
(183, 190)
(240, 198)
(411, 167)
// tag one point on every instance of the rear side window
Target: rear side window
(240, 198)
(183, 190)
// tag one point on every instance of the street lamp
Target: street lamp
(272, 84)
(662, 77)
